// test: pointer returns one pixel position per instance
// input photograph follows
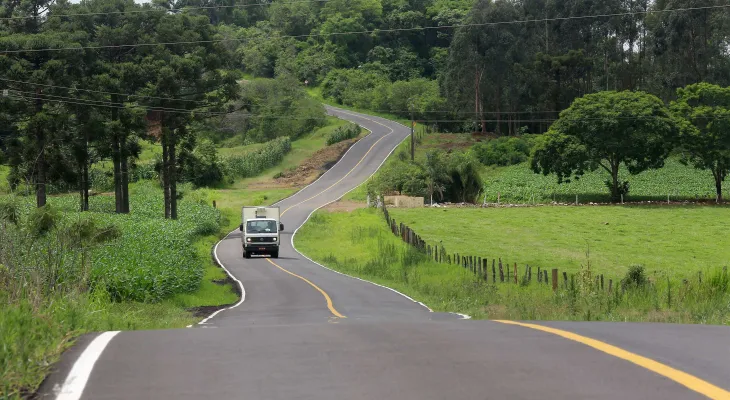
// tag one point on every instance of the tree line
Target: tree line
(78, 87)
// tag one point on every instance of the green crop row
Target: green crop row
(518, 184)
(153, 258)
(346, 132)
(253, 163)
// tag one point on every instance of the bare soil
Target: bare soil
(311, 169)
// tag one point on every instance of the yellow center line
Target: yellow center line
(683, 378)
(350, 171)
(326, 296)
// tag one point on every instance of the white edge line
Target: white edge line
(240, 284)
(215, 249)
(343, 195)
(76, 380)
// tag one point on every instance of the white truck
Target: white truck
(260, 231)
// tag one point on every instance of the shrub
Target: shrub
(466, 183)
(41, 220)
(10, 210)
(342, 133)
(504, 151)
(635, 277)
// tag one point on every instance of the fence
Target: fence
(500, 271)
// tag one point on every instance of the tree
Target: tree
(184, 82)
(704, 113)
(464, 171)
(32, 70)
(436, 173)
(605, 130)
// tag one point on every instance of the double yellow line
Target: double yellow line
(330, 306)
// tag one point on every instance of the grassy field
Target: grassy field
(672, 239)
(360, 244)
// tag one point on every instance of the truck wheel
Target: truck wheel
(275, 254)
(246, 255)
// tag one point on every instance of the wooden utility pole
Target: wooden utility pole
(413, 141)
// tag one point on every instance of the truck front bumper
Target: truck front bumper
(260, 247)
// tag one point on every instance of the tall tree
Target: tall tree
(704, 113)
(184, 81)
(33, 68)
(606, 130)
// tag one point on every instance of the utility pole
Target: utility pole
(413, 141)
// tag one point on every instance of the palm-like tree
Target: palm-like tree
(436, 174)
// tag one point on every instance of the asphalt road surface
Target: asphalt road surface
(305, 332)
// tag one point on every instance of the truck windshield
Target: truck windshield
(261, 227)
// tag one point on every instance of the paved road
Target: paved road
(287, 340)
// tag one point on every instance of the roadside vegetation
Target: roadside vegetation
(361, 244)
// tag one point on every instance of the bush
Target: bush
(635, 277)
(345, 132)
(466, 183)
(253, 163)
(41, 220)
(504, 151)
(10, 210)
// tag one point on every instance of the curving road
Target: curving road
(305, 332)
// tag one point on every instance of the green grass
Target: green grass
(518, 184)
(150, 151)
(4, 185)
(672, 239)
(360, 244)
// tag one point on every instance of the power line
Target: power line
(372, 31)
(172, 10)
(100, 91)
(96, 103)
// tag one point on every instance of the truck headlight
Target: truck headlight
(248, 239)
(275, 239)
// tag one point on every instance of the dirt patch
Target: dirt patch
(308, 171)
(345, 206)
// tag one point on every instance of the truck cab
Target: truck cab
(260, 231)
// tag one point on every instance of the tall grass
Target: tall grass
(360, 244)
(63, 273)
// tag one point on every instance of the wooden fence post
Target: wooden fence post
(545, 276)
(565, 279)
(515, 272)
(214, 205)
(529, 274)
(501, 271)
(485, 269)
(601, 281)
(610, 286)
(494, 273)
(506, 266)
(539, 275)
(555, 279)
